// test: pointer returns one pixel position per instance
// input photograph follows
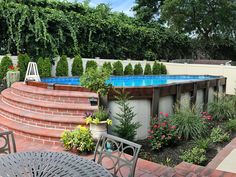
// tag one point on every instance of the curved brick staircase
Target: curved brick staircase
(42, 114)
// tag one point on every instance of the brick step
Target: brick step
(45, 106)
(38, 93)
(40, 119)
(187, 169)
(33, 133)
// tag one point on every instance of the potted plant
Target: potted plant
(13, 75)
(98, 122)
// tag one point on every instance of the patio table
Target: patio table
(45, 164)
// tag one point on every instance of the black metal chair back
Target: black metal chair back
(117, 155)
(7, 142)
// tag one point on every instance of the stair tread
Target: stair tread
(45, 132)
(37, 90)
(41, 116)
(7, 93)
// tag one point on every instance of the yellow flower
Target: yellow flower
(109, 122)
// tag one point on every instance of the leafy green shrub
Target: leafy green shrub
(77, 66)
(91, 64)
(126, 128)
(150, 55)
(162, 132)
(129, 69)
(23, 60)
(107, 66)
(79, 139)
(148, 69)
(6, 62)
(118, 68)
(230, 125)
(189, 123)
(163, 69)
(218, 135)
(62, 66)
(156, 69)
(203, 143)
(222, 109)
(95, 80)
(44, 67)
(138, 69)
(195, 155)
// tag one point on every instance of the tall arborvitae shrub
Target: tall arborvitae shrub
(6, 62)
(77, 66)
(126, 127)
(163, 69)
(62, 66)
(148, 69)
(107, 66)
(156, 69)
(118, 69)
(44, 67)
(138, 70)
(91, 65)
(129, 70)
(23, 60)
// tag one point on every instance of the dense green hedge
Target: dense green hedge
(23, 60)
(77, 66)
(4, 66)
(44, 67)
(62, 66)
(50, 28)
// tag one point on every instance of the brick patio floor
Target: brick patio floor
(149, 169)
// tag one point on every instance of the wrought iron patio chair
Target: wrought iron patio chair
(117, 155)
(7, 142)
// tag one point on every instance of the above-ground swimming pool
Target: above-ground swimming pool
(134, 81)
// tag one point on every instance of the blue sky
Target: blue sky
(116, 5)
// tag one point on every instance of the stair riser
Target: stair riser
(34, 138)
(38, 123)
(60, 99)
(46, 110)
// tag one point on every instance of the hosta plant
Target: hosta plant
(195, 155)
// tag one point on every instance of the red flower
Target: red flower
(163, 136)
(161, 113)
(163, 124)
(155, 126)
(149, 137)
(166, 115)
(173, 127)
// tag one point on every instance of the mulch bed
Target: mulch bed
(169, 156)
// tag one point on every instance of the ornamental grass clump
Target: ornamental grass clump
(162, 132)
(79, 139)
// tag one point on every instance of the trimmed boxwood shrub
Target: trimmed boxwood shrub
(129, 70)
(107, 66)
(6, 62)
(118, 69)
(62, 66)
(91, 65)
(138, 70)
(163, 69)
(23, 60)
(156, 69)
(77, 66)
(44, 67)
(148, 69)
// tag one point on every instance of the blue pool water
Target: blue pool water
(133, 81)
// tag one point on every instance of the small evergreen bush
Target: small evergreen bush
(138, 70)
(118, 69)
(77, 66)
(6, 62)
(44, 67)
(91, 64)
(62, 66)
(156, 69)
(163, 69)
(23, 60)
(148, 69)
(129, 69)
(126, 128)
(107, 66)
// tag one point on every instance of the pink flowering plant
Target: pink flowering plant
(162, 132)
(208, 119)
